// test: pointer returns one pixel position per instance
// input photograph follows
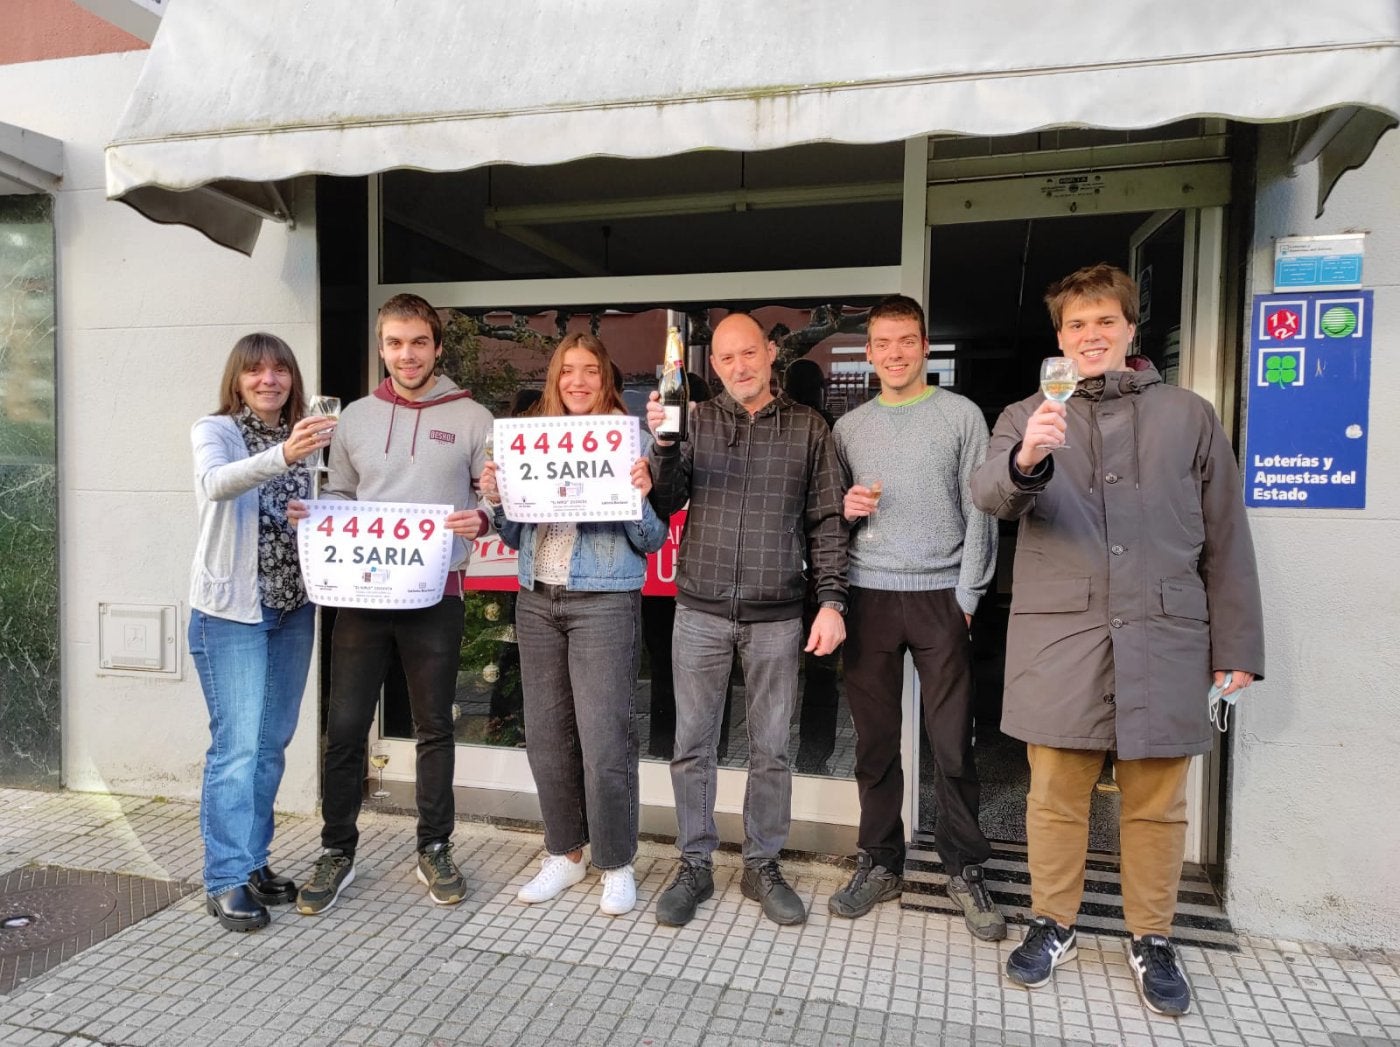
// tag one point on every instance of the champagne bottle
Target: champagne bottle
(674, 390)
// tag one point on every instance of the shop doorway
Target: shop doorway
(986, 314)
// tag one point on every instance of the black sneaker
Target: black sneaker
(693, 884)
(870, 884)
(1046, 946)
(1160, 977)
(980, 913)
(765, 885)
(439, 873)
(333, 872)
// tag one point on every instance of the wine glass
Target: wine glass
(876, 488)
(379, 759)
(330, 407)
(1058, 378)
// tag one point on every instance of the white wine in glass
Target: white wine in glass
(1058, 379)
(329, 406)
(876, 489)
(379, 759)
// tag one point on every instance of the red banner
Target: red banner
(493, 564)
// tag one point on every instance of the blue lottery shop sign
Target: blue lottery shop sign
(1308, 397)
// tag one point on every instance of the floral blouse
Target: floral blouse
(279, 574)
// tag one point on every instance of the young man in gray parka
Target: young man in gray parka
(1135, 590)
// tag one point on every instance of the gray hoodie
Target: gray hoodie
(388, 449)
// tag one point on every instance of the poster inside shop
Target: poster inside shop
(494, 566)
(1308, 398)
(568, 468)
(375, 554)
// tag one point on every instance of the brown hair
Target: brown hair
(408, 307)
(247, 353)
(1093, 283)
(609, 397)
(897, 307)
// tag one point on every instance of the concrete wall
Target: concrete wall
(31, 30)
(1314, 847)
(146, 317)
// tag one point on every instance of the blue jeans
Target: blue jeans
(578, 658)
(701, 655)
(253, 677)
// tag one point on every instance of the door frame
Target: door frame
(1203, 364)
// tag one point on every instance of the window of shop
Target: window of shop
(29, 666)
(497, 353)
(816, 206)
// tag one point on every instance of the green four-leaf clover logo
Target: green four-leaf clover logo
(1281, 369)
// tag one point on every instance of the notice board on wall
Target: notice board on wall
(1307, 398)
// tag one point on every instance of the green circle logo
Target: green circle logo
(1338, 322)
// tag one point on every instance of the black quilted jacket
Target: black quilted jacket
(765, 507)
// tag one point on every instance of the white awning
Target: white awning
(29, 162)
(265, 90)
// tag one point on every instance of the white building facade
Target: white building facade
(1291, 808)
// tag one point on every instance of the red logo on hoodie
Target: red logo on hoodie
(442, 437)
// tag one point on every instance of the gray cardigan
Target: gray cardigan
(224, 579)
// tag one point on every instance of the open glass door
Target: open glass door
(1176, 261)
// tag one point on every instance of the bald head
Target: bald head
(743, 360)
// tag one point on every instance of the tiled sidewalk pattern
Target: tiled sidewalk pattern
(385, 967)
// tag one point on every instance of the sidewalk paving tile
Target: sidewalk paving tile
(385, 967)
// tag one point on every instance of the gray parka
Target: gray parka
(1134, 573)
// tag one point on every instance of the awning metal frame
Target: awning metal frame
(29, 159)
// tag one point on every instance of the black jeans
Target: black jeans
(880, 627)
(428, 640)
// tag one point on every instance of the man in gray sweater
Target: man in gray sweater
(921, 557)
(416, 438)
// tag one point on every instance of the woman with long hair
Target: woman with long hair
(251, 626)
(577, 621)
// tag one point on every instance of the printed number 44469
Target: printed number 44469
(375, 528)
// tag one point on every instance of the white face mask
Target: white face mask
(1220, 704)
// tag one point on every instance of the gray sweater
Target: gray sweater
(928, 534)
(387, 449)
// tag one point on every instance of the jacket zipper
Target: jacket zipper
(739, 538)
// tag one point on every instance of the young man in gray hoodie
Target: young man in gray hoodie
(416, 438)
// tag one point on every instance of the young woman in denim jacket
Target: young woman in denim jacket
(578, 622)
(251, 627)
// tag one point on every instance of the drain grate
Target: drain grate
(1200, 919)
(49, 914)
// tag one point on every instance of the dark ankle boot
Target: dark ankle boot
(238, 910)
(271, 889)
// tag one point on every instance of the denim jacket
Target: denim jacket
(608, 557)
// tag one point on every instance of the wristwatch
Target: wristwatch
(834, 605)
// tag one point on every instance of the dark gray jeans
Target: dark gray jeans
(701, 655)
(578, 662)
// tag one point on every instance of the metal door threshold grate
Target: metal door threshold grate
(1200, 918)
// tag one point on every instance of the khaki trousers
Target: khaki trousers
(1151, 829)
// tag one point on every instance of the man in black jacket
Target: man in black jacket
(761, 476)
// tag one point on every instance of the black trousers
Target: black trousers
(880, 627)
(429, 640)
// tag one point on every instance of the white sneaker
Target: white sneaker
(619, 891)
(556, 875)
